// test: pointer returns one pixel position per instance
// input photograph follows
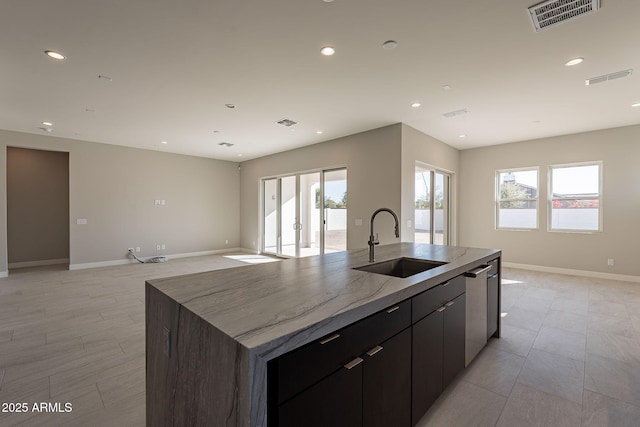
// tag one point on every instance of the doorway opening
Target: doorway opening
(37, 209)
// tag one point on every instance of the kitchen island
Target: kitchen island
(214, 338)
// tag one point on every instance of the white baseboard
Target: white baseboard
(39, 263)
(112, 263)
(4, 274)
(571, 272)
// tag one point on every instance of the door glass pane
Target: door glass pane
(335, 211)
(422, 205)
(288, 222)
(270, 216)
(441, 203)
(310, 214)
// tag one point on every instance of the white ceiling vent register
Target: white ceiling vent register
(607, 77)
(455, 113)
(553, 12)
(286, 122)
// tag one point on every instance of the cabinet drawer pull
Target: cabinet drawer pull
(374, 350)
(392, 309)
(449, 304)
(355, 362)
(330, 338)
(441, 309)
(446, 283)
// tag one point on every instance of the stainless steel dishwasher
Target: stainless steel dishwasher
(476, 321)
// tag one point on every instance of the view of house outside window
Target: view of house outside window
(517, 198)
(575, 197)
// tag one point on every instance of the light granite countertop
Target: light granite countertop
(273, 308)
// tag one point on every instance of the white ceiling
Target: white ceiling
(175, 64)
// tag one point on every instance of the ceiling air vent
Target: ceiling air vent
(553, 12)
(286, 122)
(456, 113)
(607, 77)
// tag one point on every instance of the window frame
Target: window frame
(551, 198)
(498, 200)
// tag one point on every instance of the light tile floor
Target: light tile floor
(569, 354)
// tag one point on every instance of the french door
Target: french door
(432, 188)
(305, 214)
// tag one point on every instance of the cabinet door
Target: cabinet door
(454, 339)
(387, 383)
(427, 363)
(492, 306)
(334, 401)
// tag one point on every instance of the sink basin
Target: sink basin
(401, 267)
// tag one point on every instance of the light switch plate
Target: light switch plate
(81, 221)
(358, 221)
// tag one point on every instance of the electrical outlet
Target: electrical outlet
(157, 247)
(610, 262)
(137, 248)
(162, 246)
(130, 249)
(226, 242)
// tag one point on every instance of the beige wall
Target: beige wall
(417, 146)
(37, 205)
(114, 188)
(617, 148)
(373, 181)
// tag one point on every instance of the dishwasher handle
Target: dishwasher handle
(477, 271)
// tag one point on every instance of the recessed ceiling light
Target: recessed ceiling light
(446, 87)
(47, 123)
(319, 132)
(328, 50)
(225, 144)
(415, 105)
(163, 142)
(328, 1)
(637, 104)
(55, 55)
(462, 135)
(390, 44)
(574, 61)
(240, 154)
(230, 105)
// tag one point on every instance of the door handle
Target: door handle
(374, 350)
(441, 309)
(355, 362)
(449, 304)
(392, 309)
(329, 338)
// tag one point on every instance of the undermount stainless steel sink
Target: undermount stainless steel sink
(401, 267)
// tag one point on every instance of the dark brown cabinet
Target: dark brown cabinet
(334, 401)
(383, 371)
(493, 298)
(386, 385)
(357, 376)
(438, 353)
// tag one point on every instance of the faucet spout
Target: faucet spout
(373, 240)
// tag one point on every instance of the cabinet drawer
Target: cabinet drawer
(428, 301)
(303, 367)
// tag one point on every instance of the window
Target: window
(431, 207)
(517, 199)
(575, 193)
(305, 214)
